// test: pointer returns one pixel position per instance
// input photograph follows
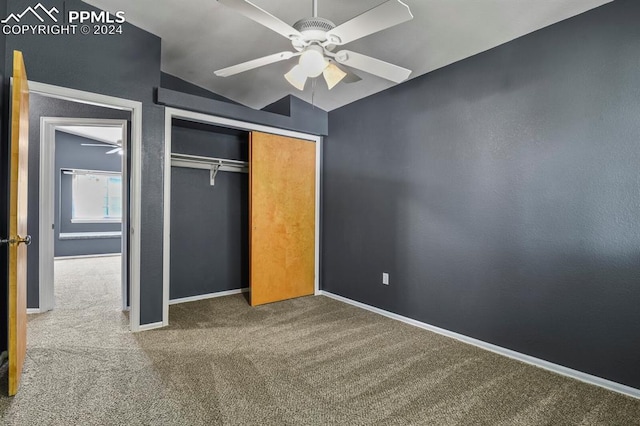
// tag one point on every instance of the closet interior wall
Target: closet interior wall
(209, 224)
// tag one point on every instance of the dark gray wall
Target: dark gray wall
(209, 224)
(501, 193)
(126, 66)
(71, 154)
(42, 106)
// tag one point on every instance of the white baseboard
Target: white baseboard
(559, 369)
(151, 326)
(31, 311)
(207, 296)
(87, 256)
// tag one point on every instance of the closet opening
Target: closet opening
(209, 245)
(241, 210)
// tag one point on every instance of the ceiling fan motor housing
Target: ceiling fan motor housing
(314, 29)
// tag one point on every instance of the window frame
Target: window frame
(77, 172)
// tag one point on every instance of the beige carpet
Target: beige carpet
(302, 362)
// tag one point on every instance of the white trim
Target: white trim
(316, 280)
(208, 296)
(131, 260)
(46, 215)
(527, 359)
(31, 311)
(90, 235)
(171, 113)
(151, 326)
(166, 232)
(118, 220)
(87, 256)
(94, 172)
(235, 124)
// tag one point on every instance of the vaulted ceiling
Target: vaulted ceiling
(201, 36)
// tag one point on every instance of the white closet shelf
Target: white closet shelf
(214, 165)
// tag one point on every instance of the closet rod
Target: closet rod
(214, 165)
(198, 162)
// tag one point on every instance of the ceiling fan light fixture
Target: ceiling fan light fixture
(333, 75)
(313, 62)
(297, 77)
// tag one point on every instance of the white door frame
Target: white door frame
(48, 127)
(170, 114)
(135, 151)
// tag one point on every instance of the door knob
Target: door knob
(26, 240)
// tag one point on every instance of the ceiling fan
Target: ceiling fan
(315, 39)
(116, 149)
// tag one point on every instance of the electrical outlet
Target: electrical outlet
(385, 278)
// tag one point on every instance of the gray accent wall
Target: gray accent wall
(209, 224)
(501, 194)
(71, 154)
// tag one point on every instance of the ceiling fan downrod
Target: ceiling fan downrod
(314, 12)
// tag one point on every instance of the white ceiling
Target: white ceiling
(201, 36)
(111, 135)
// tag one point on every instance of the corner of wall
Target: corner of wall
(301, 111)
(281, 106)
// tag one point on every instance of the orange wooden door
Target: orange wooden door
(18, 223)
(282, 217)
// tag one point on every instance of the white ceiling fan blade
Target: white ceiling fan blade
(95, 144)
(263, 17)
(373, 66)
(113, 151)
(388, 14)
(246, 66)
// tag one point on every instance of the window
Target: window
(96, 197)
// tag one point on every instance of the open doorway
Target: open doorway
(83, 172)
(86, 167)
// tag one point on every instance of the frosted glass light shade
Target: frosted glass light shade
(297, 77)
(333, 75)
(312, 62)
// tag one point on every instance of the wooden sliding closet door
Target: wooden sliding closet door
(282, 181)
